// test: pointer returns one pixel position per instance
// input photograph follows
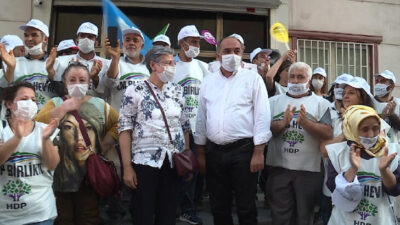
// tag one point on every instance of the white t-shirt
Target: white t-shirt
(190, 75)
(129, 73)
(393, 135)
(62, 62)
(280, 89)
(294, 148)
(33, 71)
(25, 182)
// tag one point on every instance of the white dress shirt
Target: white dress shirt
(233, 108)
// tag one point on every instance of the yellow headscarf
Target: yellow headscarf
(353, 117)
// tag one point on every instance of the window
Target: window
(338, 53)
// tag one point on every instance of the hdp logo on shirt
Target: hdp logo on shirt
(15, 189)
(293, 137)
(365, 209)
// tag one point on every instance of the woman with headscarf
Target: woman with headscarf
(363, 171)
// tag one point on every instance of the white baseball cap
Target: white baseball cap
(320, 71)
(346, 196)
(343, 78)
(188, 31)
(162, 38)
(37, 24)
(387, 74)
(133, 30)
(66, 44)
(238, 37)
(359, 83)
(88, 28)
(11, 41)
(256, 51)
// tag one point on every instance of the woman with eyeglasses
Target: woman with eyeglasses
(77, 202)
(145, 143)
(28, 159)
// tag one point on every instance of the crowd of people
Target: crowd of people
(273, 122)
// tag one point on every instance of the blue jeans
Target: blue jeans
(46, 222)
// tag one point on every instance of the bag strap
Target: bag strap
(82, 127)
(162, 111)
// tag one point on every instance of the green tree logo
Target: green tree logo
(190, 101)
(365, 209)
(40, 99)
(293, 137)
(15, 189)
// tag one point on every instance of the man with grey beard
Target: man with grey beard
(125, 70)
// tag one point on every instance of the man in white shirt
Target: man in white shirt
(189, 74)
(126, 70)
(300, 120)
(87, 40)
(32, 67)
(234, 121)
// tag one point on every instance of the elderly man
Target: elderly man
(125, 70)
(300, 120)
(32, 67)
(234, 121)
(190, 72)
(87, 40)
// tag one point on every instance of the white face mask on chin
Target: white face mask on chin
(86, 45)
(231, 62)
(297, 89)
(35, 50)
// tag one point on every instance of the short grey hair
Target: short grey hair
(301, 66)
(154, 54)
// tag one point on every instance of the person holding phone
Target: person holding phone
(126, 70)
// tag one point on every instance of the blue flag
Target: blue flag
(112, 16)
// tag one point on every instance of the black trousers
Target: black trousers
(227, 174)
(156, 198)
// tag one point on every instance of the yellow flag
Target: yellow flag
(278, 32)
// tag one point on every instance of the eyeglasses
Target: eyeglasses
(170, 63)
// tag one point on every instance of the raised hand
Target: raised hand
(386, 159)
(355, 158)
(287, 117)
(302, 115)
(96, 68)
(114, 52)
(7, 57)
(388, 110)
(50, 62)
(49, 129)
(291, 55)
(72, 104)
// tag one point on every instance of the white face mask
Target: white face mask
(297, 89)
(262, 66)
(231, 62)
(368, 142)
(192, 52)
(26, 109)
(167, 74)
(35, 50)
(86, 45)
(317, 84)
(77, 90)
(381, 90)
(338, 93)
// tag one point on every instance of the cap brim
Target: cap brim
(267, 51)
(342, 203)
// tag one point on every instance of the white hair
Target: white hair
(301, 66)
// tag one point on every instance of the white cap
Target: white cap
(133, 30)
(66, 44)
(255, 52)
(346, 196)
(188, 31)
(359, 83)
(238, 37)
(387, 74)
(36, 24)
(162, 38)
(11, 41)
(88, 28)
(320, 71)
(343, 78)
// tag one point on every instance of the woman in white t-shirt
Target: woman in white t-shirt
(27, 161)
